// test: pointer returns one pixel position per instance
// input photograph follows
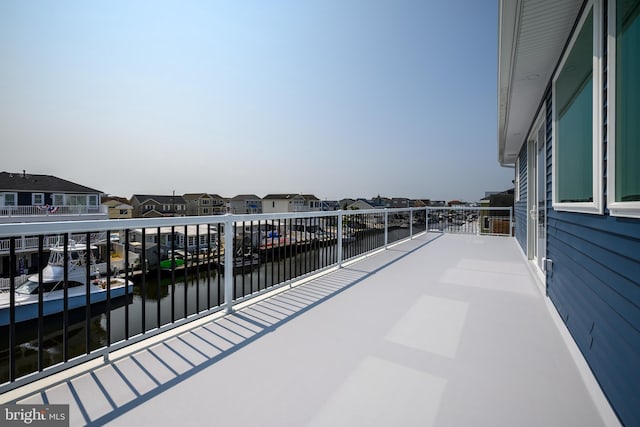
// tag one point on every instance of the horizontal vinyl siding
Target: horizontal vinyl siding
(595, 286)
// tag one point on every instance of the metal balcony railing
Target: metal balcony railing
(139, 277)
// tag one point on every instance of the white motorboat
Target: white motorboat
(52, 284)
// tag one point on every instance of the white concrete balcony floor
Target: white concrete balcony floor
(442, 330)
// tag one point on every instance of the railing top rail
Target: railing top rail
(469, 208)
(35, 228)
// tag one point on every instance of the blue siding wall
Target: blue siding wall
(595, 286)
(520, 209)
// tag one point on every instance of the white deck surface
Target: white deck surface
(448, 332)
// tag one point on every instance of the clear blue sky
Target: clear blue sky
(339, 98)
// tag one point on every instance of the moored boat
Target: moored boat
(51, 283)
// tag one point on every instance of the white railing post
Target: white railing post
(386, 228)
(410, 223)
(228, 264)
(426, 220)
(339, 241)
(510, 222)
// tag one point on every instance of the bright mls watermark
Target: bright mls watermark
(34, 415)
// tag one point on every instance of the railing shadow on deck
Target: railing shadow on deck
(132, 379)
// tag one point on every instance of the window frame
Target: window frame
(597, 205)
(621, 209)
(4, 199)
(33, 199)
(58, 197)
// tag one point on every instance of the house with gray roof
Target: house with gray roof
(199, 204)
(158, 206)
(26, 197)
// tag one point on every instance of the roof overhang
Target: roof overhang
(531, 37)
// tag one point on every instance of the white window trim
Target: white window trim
(623, 209)
(58, 195)
(33, 199)
(597, 206)
(3, 199)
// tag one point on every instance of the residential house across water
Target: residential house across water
(26, 197)
(290, 202)
(199, 204)
(118, 207)
(29, 198)
(245, 204)
(158, 206)
(569, 102)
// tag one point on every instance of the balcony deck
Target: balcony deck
(442, 330)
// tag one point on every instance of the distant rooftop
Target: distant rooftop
(23, 181)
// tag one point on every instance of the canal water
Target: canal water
(160, 302)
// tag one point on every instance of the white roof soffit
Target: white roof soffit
(531, 36)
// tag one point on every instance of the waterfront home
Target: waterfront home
(245, 204)
(376, 203)
(158, 206)
(26, 197)
(345, 202)
(399, 202)
(359, 204)
(569, 101)
(118, 207)
(204, 204)
(290, 202)
(329, 205)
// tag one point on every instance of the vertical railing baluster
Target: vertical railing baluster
(197, 258)
(339, 240)
(255, 245)
(219, 254)
(187, 260)
(12, 310)
(209, 255)
(386, 229)
(228, 264)
(294, 225)
(87, 295)
(307, 246)
(108, 308)
(158, 280)
(127, 276)
(280, 243)
(173, 273)
(65, 309)
(143, 266)
(243, 258)
(273, 253)
(41, 304)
